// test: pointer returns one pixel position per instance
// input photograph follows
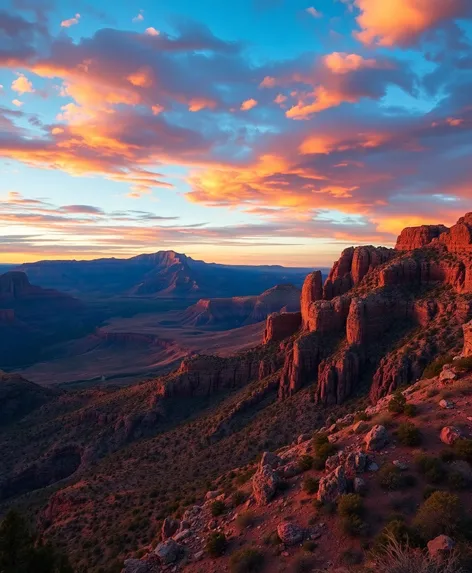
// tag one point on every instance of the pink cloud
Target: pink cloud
(314, 12)
(71, 21)
(22, 85)
(402, 22)
(248, 104)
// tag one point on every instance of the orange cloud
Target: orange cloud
(71, 21)
(323, 99)
(268, 82)
(402, 22)
(342, 63)
(142, 78)
(248, 104)
(22, 85)
(17, 102)
(197, 104)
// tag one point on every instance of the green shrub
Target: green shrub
(246, 561)
(246, 519)
(440, 513)
(323, 451)
(353, 525)
(217, 508)
(456, 480)
(391, 478)
(216, 544)
(305, 463)
(396, 530)
(410, 410)
(271, 538)
(351, 557)
(310, 485)
(428, 491)
(409, 435)
(397, 403)
(434, 369)
(462, 449)
(431, 467)
(320, 439)
(464, 364)
(350, 504)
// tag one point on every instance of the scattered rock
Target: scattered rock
(270, 459)
(303, 438)
(373, 467)
(400, 465)
(290, 470)
(168, 551)
(212, 494)
(359, 485)
(198, 555)
(360, 427)
(333, 428)
(448, 374)
(440, 546)
(446, 404)
(182, 535)
(377, 438)
(449, 434)
(264, 484)
(169, 527)
(290, 533)
(332, 486)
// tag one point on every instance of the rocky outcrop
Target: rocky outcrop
(376, 439)
(266, 480)
(280, 326)
(19, 397)
(338, 376)
(301, 364)
(290, 533)
(326, 316)
(312, 291)
(202, 375)
(467, 330)
(332, 486)
(459, 237)
(354, 264)
(416, 237)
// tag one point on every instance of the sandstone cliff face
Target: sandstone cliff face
(375, 299)
(467, 329)
(201, 375)
(352, 267)
(312, 291)
(416, 237)
(281, 325)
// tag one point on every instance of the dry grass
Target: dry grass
(397, 558)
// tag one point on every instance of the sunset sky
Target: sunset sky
(254, 131)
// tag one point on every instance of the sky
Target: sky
(248, 132)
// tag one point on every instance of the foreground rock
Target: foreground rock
(450, 434)
(332, 486)
(168, 551)
(290, 533)
(440, 547)
(376, 439)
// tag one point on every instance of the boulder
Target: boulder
(448, 374)
(332, 486)
(270, 459)
(449, 434)
(303, 438)
(376, 439)
(169, 527)
(446, 404)
(212, 494)
(168, 551)
(264, 484)
(360, 427)
(440, 546)
(402, 466)
(290, 533)
(359, 485)
(352, 462)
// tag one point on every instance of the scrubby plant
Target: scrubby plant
(246, 561)
(431, 467)
(216, 544)
(309, 545)
(401, 558)
(310, 485)
(391, 478)
(350, 509)
(302, 564)
(305, 463)
(397, 403)
(464, 364)
(323, 450)
(217, 508)
(440, 513)
(271, 538)
(409, 435)
(410, 410)
(462, 449)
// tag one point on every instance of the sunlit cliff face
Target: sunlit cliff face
(128, 130)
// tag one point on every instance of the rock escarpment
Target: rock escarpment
(281, 325)
(382, 314)
(416, 237)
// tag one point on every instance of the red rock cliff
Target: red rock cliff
(416, 237)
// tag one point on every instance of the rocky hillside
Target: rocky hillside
(162, 274)
(129, 458)
(226, 313)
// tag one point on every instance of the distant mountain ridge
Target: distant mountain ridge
(161, 274)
